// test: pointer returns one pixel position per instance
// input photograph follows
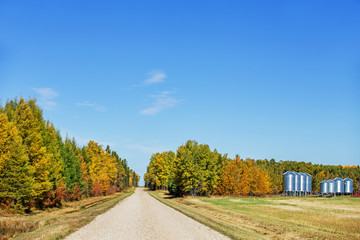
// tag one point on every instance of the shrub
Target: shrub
(111, 190)
(54, 198)
(96, 190)
(76, 195)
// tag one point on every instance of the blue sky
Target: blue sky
(264, 79)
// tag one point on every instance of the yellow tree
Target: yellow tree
(244, 178)
(130, 180)
(235, 179)
(196, 169)
(16, 177)
(151, 177)
(259, 179)
(29, 127)
(102, 167)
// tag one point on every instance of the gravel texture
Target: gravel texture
(140, 216)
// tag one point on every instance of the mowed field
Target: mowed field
(273, 217)
(56, 223)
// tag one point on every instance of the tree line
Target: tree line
(318, 172)
(196, 170)
(40, 169)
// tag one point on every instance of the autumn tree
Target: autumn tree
(102, 167)
(195, 169)
(244, 178)
(16, 175)
(37, 166)
(158, 171)
(28, 122)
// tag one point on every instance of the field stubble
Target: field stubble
(273, 217)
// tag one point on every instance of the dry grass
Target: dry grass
(274, 217)
(57, 223)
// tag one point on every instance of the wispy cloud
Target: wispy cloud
(162, 101)
(155, 77)
(46, 96)
(94, 106)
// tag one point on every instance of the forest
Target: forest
(39, 169)
(196, 170)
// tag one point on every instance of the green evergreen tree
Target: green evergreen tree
(52, 144)
(71, 164)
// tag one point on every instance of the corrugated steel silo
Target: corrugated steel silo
(331, 185)
(297, 181)
(348, 186)
(324, 187)
(302, 182)
(289, 181)
(308, 183)
(339, 185)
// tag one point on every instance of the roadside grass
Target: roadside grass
(57, 223)
(272, 217)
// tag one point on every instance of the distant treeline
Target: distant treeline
(318, 172)
(40, 169)
(196, 170)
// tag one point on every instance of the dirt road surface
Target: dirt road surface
(140, 216)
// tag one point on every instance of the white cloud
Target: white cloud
(162, 101)
(155, 77)
(94, 106)
(46, 96)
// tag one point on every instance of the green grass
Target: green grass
(57, 223)
(273, 217)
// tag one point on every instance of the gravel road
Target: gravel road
(140, 216)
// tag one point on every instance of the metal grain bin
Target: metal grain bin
(302, 182)
(339, 185)
(324, 187)
(348, 186)
(297, 181)
(331, 185)
(289, 181)
(308, 182)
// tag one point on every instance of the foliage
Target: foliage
(28, 120)
(16, 175)
(102, 167)
(196, 170)
(75, 195)
(159, 170)
(53, 198)
(96, 190)
(318, 172)
(52, 144)
(244, 178)
(71, 164)
(38, 167)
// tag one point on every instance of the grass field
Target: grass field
(57, 223)
(273, 217)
